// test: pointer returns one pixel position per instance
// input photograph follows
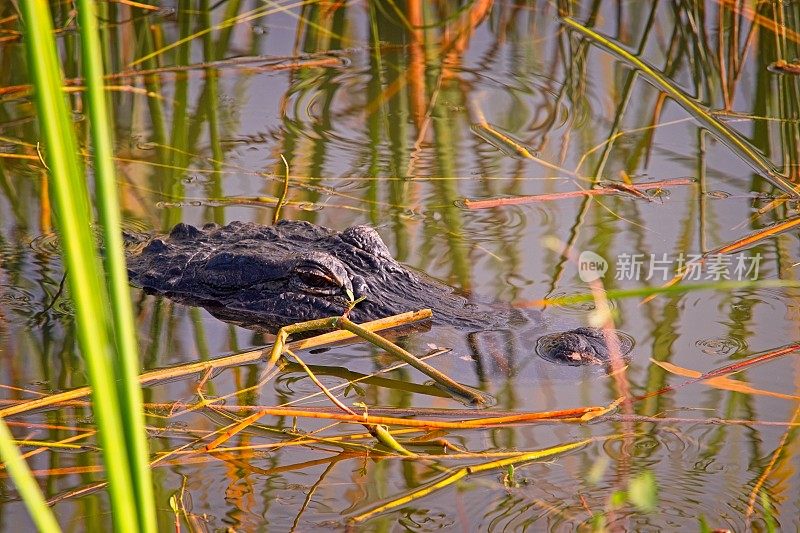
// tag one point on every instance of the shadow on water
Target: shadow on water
(395, 115)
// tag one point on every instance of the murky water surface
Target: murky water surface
(398, 116)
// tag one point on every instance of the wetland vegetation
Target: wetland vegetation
(619, 164)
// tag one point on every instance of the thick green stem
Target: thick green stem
(126, 362)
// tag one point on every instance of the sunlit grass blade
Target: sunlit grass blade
(24, 481)
(639, 292)
(85, 274)
(127, 360)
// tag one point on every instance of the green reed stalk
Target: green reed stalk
(26, 484)
(127, 361)
(84, 271)
(725, 134)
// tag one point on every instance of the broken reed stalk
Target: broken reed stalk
(738, 366)
(736, 143)
(444, 380)
(756, 236)
(735, 246)
(457, 474)
(598, 191)
(381, 433)
(342, 322)
(284, 194)
(242, 358)
(319, 384)
(579, 414)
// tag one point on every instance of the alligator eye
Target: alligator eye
(315, 278)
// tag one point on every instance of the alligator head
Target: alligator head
(267, 277)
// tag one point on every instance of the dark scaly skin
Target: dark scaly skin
(580, 346)
(272, 276)
(267, 277)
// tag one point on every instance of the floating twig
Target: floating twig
(578, 414)
(784, 67)
(756, 236)
(250, 356)
(342, 322)
(604, 190)
(456, 475)
(722, 382)
(726, 370)
(734, 246)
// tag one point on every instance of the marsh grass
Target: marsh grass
(102, 313)
(415, 56)
(25, 482)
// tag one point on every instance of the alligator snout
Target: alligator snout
(580, 346)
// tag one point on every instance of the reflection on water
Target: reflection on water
(392, 115)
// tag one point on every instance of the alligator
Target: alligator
(267, 277)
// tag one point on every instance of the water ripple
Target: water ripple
(721, 346)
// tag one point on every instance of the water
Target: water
(396, 127)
